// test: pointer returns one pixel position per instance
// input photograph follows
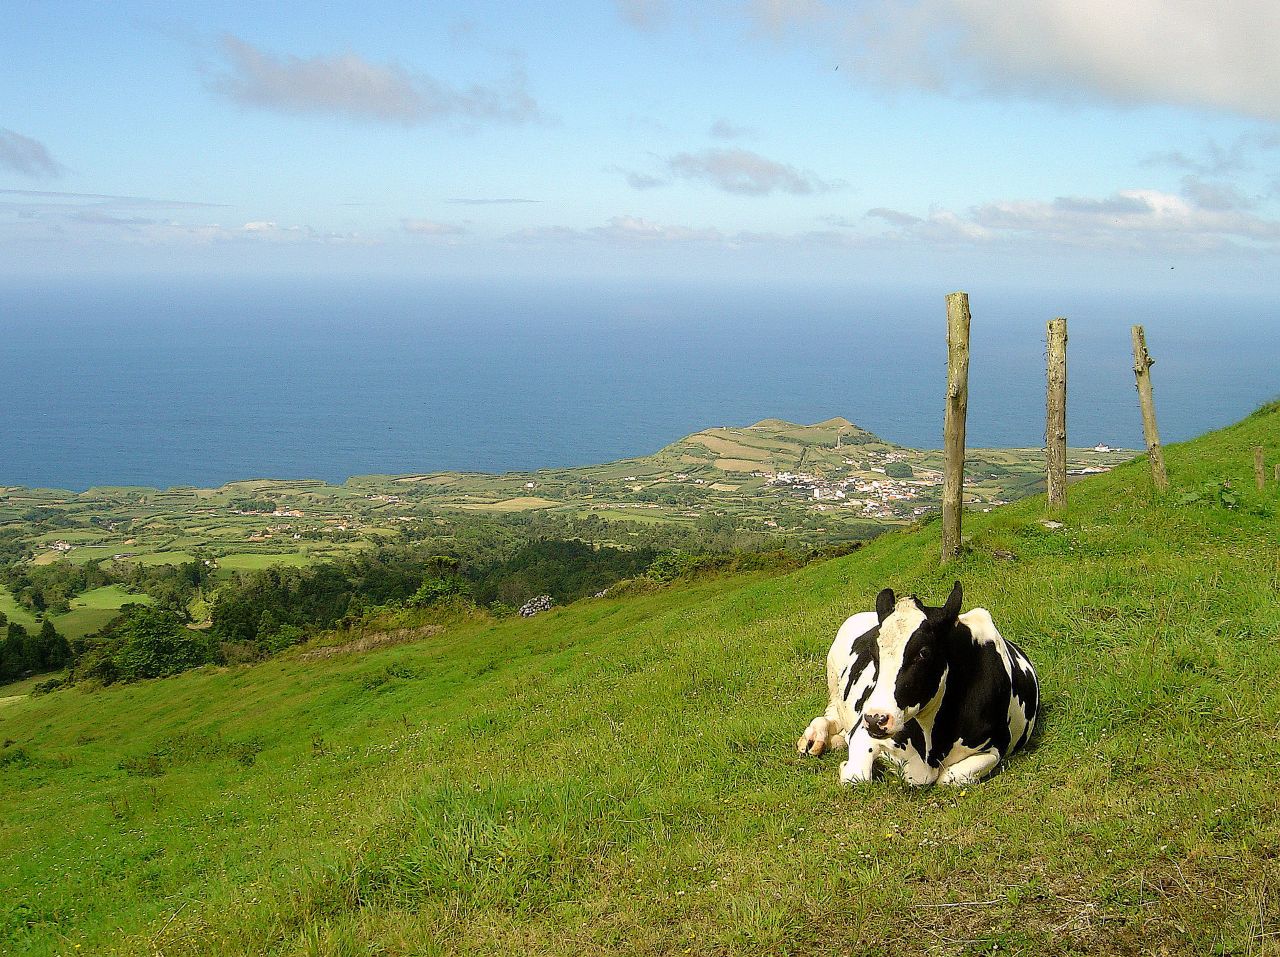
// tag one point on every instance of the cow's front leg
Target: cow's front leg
(909, 763)
(822, 734)
(857, 769)
(970, 770)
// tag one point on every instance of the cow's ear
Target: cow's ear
(884, 604)
(951, 610)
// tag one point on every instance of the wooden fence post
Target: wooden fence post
(1055, 417)
(1142, 363)
(1259, 469)
(954, 421)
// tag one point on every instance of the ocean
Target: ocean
(200, 382)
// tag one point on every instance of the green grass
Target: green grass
(620, 776)
(86, 554)
(93, 609)
(15, 612)
(252, 561)
(88, 613)
(162, 558)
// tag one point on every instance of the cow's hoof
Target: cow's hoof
(814, 741)
(811, 744)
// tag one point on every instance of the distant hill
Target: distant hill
(826, 482)
(620, 776)
(772, 445)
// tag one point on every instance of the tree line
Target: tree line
(491, 563)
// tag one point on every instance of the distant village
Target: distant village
(874, 498)
(886, 496)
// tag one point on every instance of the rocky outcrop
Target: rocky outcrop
(536, 606)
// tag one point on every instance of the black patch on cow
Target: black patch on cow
(1025, 686)
(911, 735)
(975, 709)
(923, 662)
(866, 654)
(1026, 690)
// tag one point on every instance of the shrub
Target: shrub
(153, 643)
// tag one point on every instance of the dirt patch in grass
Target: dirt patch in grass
(384, 639)
(740, 465)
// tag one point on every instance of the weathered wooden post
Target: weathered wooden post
(1259, 469)
(953, 423)
(1055, 416)
(1142, 363)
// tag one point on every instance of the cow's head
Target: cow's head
(913, 644)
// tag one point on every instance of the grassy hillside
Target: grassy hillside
(620, 776)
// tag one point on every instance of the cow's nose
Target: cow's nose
(877, 723)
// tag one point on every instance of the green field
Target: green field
(89, 611)
(252, 561)
(93, 609)
(15, 612)
(619, 777)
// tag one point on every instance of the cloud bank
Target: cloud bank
(1132, 220)
(353, 88)
(1219, 56)
(27, 157)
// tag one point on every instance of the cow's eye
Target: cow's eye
(925, 653)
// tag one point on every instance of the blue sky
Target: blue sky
(1127, 145)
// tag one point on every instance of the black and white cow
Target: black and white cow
(939, 695)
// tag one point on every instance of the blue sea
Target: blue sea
(200, 382)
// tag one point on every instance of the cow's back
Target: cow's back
(1023, 687)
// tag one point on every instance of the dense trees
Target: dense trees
(498, 562)
(255, 607)
(23, 653)
(142, 642)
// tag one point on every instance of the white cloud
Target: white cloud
(1216, 196)
(638, 180)
(427, 227)
(624, 230)
(638, 232)
(255, 231)
(349, 86)
(1134, 220)
(745, 173)
(722, 129)
(635, 230)
(27, 157)
(1240, 155)
(100, 218)
(1222, 56)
